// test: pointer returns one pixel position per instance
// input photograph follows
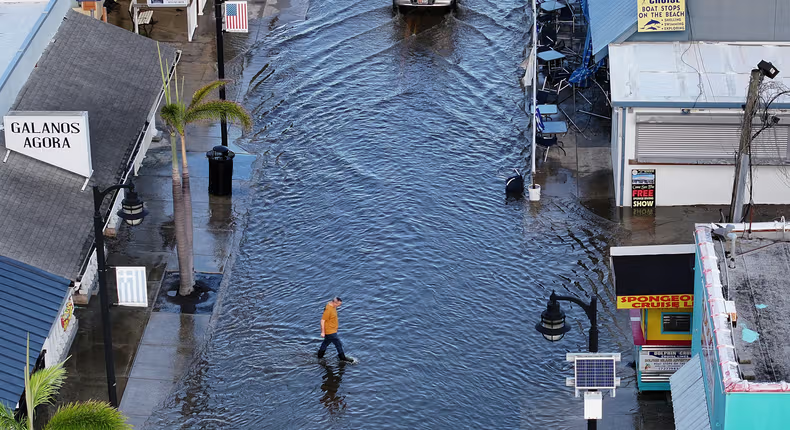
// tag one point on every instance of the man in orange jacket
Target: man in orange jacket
(329, 327)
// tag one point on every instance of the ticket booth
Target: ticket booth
(655, 285)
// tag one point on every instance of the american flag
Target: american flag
(236, 16)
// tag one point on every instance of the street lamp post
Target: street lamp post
(132, 212)
(552, 326)
(221, 66)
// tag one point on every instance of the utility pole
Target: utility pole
(221, 65)
(743, 160)
(742, 163)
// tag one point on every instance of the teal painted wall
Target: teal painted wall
(758, 411)
(711, 374)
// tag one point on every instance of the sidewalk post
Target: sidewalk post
(221, 65)
(553, 328)
(133, 212)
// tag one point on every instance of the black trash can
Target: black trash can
(220, 171)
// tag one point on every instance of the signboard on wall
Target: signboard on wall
(643, 191)
(168, 3)
(654, 276)
(657, 301)
(663, 360)
(661, 15)
(67, 315)
(58, 138)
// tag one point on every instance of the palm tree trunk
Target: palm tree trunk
(187, 280)
(188, 214)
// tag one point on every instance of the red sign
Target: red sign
(665, 301)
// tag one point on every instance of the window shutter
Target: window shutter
(704, 139)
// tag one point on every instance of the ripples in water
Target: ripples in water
(384, 141)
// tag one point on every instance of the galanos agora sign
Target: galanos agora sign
(57, 138)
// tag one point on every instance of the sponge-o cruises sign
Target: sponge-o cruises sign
(657, 301)
(57, 138)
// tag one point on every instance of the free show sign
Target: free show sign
(643, 191)
(58, 138)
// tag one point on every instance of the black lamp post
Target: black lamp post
(221, 66)
(552, 326)
(132, 212)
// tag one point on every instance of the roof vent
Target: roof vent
(732, 238)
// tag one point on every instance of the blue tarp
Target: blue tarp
(582, 73)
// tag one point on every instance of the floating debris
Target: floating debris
(749, 335)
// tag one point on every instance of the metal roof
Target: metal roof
(30, 300)
(614, 21)
(17, 19)
(688, 397)
(683, 74)
(611, 21)
(114, 75)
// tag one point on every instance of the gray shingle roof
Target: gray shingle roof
(45, 220)
(30, 300)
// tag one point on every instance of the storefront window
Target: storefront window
(676, 322)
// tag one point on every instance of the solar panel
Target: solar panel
(595, 373)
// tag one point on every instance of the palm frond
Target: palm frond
(165, 83)
(7, 421)
(173, 114)
(214, 110)
(175, 78)
(28, 390)
(88, 416)
(202, 92)
(45, 384)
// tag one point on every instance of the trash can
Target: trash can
(220, 171)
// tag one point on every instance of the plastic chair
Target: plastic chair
(567, 16)
(556, 81)
(547, 143)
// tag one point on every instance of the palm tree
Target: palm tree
(177, 115)
(41, 388)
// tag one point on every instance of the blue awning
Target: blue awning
(689, 403)
(30, 300)
(610, 21)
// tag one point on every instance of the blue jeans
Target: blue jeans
(335, 339)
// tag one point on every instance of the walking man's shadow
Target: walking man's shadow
(334, 403)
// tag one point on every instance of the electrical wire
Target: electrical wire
(699, 75)
(702, 62)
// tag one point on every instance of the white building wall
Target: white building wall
(618, 114)
(60, 339)
(685, 184)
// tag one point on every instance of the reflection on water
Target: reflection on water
(385, 141)
(335, 404)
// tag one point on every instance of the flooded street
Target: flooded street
(385, 141)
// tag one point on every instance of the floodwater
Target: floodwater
(385, 141)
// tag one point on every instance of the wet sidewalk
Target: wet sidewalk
(152, 346)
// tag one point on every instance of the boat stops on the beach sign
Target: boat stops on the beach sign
(661, 15)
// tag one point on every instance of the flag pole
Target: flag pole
(534, 64)
(221, 65)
